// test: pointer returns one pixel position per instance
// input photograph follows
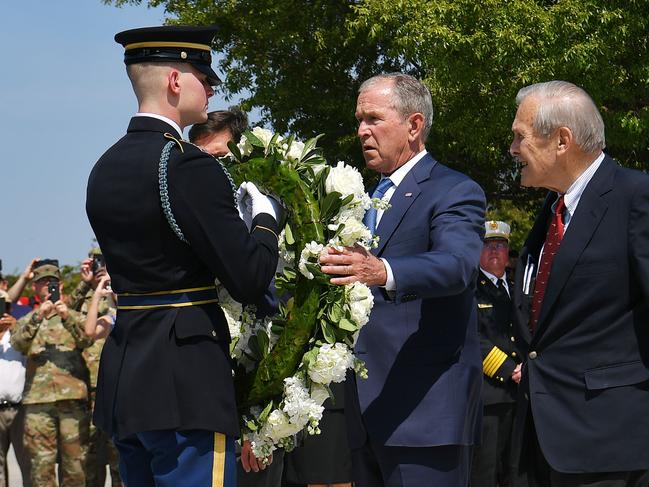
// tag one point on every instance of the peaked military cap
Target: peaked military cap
(496, 229)
(46, 268)
(177, 43)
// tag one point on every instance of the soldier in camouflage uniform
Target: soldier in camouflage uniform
(100, 448)
(56, 390)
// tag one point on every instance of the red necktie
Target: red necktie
(552, 242)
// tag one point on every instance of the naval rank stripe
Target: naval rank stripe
(492, 362)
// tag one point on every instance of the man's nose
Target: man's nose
(363, 130)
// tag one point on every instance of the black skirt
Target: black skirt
(323, 458)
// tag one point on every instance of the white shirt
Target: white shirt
(571, 200)
(495, 280)
(12, 371)
(163, 118)
(396, 177)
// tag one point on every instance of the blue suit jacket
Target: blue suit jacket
(421, 345)
(587, 381)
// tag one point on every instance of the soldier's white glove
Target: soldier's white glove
(258, 202)
(244, 205)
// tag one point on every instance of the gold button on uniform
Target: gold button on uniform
(512, 339)
(213, 333)
(532, 355)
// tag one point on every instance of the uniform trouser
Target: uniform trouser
(54, 425)
(167, 458)
(12, 422)
(491, 459)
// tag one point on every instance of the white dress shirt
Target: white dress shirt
(12, 371)
(163, 118)
(396, 177)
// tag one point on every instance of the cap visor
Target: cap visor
(212, 78)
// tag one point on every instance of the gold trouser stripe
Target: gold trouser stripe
(493, 361)
(188, 45)
(218, 468)
(174, 305)
(175, 291)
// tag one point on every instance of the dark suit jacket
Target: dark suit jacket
(499, 351)
(421, 345)
(170, 368)
(586, 377)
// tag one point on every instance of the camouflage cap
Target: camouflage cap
(46, 268)
(94, 251)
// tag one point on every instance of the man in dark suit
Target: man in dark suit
(165, 215)
(581, 300)
(500, 360)
(414, 420)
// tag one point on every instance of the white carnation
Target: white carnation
(361, 301)
(354, 231)
(279, 426)
(331, 364)
(295, 151)
(244, 145)
(346, 180)
(265, 136)
(310, 253)
(319, 393)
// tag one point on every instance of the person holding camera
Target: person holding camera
(56, 391)
(91, 289)
(12, 382)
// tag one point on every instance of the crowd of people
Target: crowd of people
(538, 377)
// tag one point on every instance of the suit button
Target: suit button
(514, 354)
(532, 355)
(512, 339)
(213, 333)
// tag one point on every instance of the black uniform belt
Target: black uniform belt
(8, 405)
(168, 299)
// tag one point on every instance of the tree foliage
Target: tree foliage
(302, 63)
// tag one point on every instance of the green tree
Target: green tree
(302, 63)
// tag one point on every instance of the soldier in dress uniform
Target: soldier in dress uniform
(101, 449)
(56, 390)
(165, 215)
(501, 360)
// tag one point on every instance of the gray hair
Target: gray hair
(563, 104)
(411, 96)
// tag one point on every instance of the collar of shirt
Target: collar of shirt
(495, 279)
(573, 195)
(163, 118)
(396, 177)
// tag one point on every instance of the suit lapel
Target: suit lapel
(584, 222)
(404, 196)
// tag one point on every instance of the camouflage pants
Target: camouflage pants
(50, 426)
(101, 450)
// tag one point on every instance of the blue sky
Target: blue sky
(64, 99)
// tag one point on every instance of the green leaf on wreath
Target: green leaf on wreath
(264, 414)
(330, 206)
(263, 342)
(251, 425)
(288, 235)
(328, 332)
(234, 149)
(335, 313)
(253, 139)
(346, 324)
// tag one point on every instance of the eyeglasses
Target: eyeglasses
(497, 245)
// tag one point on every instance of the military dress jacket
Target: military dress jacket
(586, 375)
(497, 342)
(169, 368)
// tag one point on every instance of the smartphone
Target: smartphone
(53, 289)
(97, 263)
(3, 306)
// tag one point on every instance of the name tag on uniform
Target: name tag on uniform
(485, 305)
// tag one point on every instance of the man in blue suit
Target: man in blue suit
(581, 300)
(414, 420)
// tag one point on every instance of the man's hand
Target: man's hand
(356, 265)
(28, 273)
(516, 374)
(45, 309)
(7, 322)
(62, 309)
(86, 271)
(248, 459)
(103, 288)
